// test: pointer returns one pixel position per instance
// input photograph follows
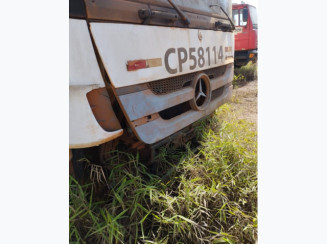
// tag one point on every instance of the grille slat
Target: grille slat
(165, 86)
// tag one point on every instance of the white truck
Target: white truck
(142, 71)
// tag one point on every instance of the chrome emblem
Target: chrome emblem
(202, 92)
(199, 91)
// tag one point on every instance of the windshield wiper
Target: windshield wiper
(180, 13)
(220, 24)
(231, 22)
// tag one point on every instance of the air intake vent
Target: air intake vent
(161, 87)
(164, 86)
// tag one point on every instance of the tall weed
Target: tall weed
(210, 196)
(246, 73)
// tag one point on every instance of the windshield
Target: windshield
(253, 14)
(235, 17)
(238, 17)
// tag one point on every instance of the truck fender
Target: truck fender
(92, 120)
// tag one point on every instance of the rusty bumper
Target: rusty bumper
(158, 129)
(153, 117)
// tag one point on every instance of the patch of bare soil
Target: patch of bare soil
(244, 102)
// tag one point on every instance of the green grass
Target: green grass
(207, 196)
(245, 73)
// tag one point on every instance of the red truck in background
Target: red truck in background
(246, 33)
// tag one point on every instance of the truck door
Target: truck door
(240, 17)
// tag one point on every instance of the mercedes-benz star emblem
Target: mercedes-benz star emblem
(199, 91)
(202, 92)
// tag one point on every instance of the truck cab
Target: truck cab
(246, 33)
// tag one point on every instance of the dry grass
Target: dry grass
(244, 102)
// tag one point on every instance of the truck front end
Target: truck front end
(146, 69)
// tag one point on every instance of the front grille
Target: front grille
(174, 111)
(179, 109)
(164, 86)
(216, 72)
(217, 93)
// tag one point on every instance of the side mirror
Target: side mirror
(245, 14)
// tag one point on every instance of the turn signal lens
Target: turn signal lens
(251, 55)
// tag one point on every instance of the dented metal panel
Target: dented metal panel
(84, 130)
(182, 51)
(143, 103)
(158, 129)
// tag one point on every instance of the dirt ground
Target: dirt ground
(244, 101)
